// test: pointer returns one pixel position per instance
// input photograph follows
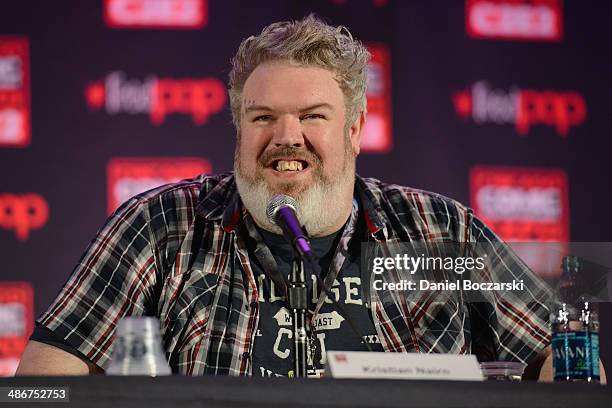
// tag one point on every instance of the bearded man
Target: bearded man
(202, 256)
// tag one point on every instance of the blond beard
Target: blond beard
(322, 205)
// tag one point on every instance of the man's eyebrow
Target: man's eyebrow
(319, 105)
(260, 108)
(257, 108)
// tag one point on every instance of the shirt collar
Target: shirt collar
(371, 203)
(221, 202)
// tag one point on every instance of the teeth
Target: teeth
(284, 165)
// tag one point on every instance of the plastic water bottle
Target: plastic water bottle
(575, 334)
(137, 348)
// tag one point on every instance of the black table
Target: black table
(184, 392)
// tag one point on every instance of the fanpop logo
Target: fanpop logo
(157, 97)
(23, 213)
(521, 107)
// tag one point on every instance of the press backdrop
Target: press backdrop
(502, 105)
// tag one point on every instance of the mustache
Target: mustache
(287, 152)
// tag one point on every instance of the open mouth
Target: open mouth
(283, 165)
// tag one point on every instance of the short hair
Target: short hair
(306, 42)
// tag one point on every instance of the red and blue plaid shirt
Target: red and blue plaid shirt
(177, 252)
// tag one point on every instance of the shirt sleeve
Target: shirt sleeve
(115, 277)
(43, 335)
(513, 323)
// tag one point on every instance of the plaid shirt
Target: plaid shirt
(178, 252)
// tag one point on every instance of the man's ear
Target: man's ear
(355, 132)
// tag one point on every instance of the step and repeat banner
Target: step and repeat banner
(503, 105)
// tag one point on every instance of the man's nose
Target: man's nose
(288, 132)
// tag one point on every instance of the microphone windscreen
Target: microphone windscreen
(278, 201)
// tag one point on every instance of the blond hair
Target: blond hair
(307, 42)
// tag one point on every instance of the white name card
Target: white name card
(409, 366)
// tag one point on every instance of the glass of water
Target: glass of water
(502, 370)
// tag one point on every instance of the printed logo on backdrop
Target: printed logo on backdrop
(523, 108)
(524, 205)
(16, 323)
(527, 20)
(14, 92)
(377, 132)
(127, 177)
(157, 97)
(22, 213)
(151, 14)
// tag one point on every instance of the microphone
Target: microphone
(282, 211)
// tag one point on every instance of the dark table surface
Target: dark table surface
(183, 392)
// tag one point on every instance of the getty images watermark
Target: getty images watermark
(477, 270)
(452, 273)
(457, 265)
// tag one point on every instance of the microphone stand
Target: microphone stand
(281, 210)
(298, 304)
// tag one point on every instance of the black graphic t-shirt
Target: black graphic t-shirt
(273, 347)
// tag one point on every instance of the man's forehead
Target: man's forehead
(284, 86)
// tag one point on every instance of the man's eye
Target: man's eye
(262, 118)
(313, 116)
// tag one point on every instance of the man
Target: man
(202, 256)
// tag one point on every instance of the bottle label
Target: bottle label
(576, 355)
